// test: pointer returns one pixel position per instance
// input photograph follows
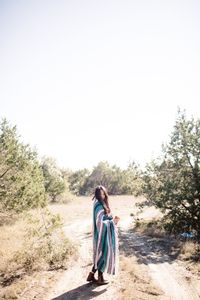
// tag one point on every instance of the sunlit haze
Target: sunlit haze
(86, 81)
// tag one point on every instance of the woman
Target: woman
(105, 237)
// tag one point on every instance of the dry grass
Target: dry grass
(12, 237)
(135, 282)
(151, 228)
(188, 250)
(23, 257)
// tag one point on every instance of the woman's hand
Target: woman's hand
(116, 219)
(107, 211)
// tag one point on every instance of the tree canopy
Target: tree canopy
(21, 178)
(173, 181)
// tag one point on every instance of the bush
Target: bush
(45, 245)
(21, 178)
(117, 181)
(173, 181)
(41, 246)
(54, 181)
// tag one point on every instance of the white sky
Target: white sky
(86, 81)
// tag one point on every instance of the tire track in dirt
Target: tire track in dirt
(167, 273)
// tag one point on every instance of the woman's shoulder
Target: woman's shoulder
(98, 203)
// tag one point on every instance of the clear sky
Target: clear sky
(86, 81)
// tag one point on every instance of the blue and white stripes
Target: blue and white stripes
(105, 240)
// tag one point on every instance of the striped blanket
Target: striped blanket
(105, 240)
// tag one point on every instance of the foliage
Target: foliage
(116, 180)
(132, 180)
(54, 182)
(45, 245)
(21, 178)
(77, 181)
(173, 181)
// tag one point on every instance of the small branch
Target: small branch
(5, 172)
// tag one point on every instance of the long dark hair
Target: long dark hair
(97, 194)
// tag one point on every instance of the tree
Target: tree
(54, 180)
(101, 174)
(77, 181)
(116, 180)
(21, 178)
(132, 180)
(173, 182)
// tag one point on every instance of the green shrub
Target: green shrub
(173, 182)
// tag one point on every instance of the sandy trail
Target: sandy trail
(167, 273)
(171, 277)
(73, 284)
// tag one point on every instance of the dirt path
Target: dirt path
(171, 278)
(166, 272)
(72, 284)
